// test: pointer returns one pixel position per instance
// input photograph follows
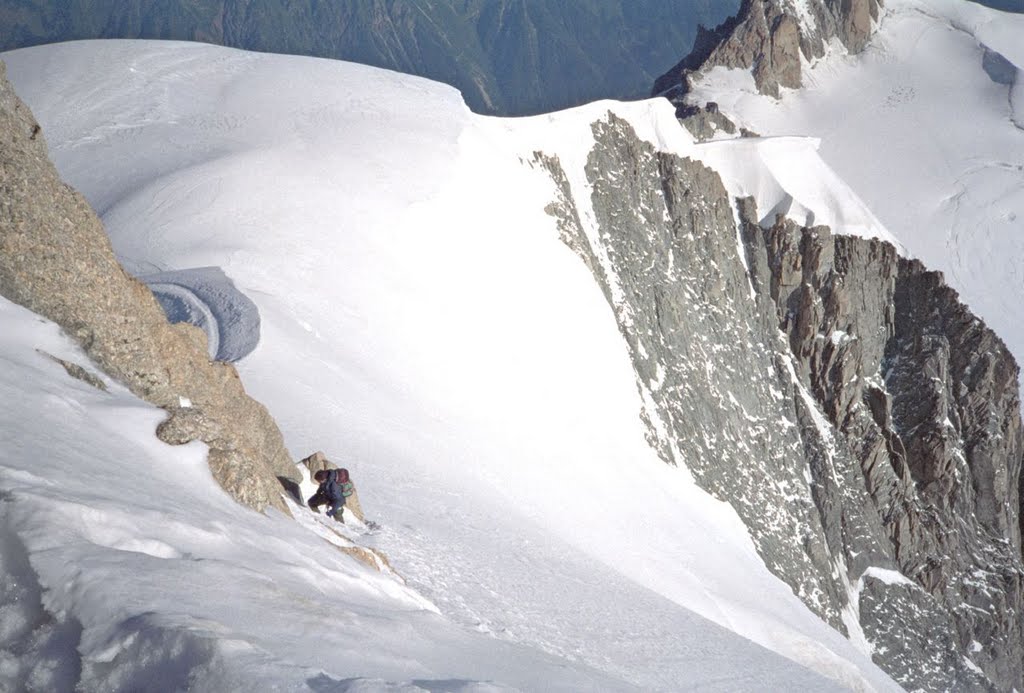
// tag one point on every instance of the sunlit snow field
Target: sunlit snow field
(420, 322)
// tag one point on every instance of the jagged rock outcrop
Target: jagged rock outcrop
(56, 260)
(76, 371)
(706, 122)
(769, 37)
(316, 462)
(925, 398)
(864, 425)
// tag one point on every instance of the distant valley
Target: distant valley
(507, 57)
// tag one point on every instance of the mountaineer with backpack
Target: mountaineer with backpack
(335, 488)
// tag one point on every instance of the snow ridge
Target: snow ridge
(419, 321)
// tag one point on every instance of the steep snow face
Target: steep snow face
(422, 322)
(786, 176)
(124, 567)
(926, 126)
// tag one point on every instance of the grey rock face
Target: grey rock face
(862, 423)
(769, 37)
(925, 397)
(316, 462)
(705, 123)
(76, 371)
(56, 260)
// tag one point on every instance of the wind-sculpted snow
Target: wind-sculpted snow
(422, 323)
(507, 410)
(999, 69)
(124, 567)
(786, 176)
(207, 298)
(37, 650)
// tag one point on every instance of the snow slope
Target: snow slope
(163, 582)
(421, 322)
(927, 126)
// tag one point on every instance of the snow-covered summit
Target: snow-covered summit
(421, 320)
(926, 126)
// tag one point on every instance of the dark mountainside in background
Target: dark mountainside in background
(508, 57)
(1004, 5)
(768, 39)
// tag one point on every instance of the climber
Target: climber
(335, 488)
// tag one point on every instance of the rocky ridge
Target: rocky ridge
(56, 259)
(771, 38)
(864, 425)
(916, 464)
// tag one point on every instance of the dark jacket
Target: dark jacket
(331, 489)
(336, 488)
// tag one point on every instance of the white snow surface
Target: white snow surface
(785, 175)
(927, 135)
(889, 577)
(420, 322)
